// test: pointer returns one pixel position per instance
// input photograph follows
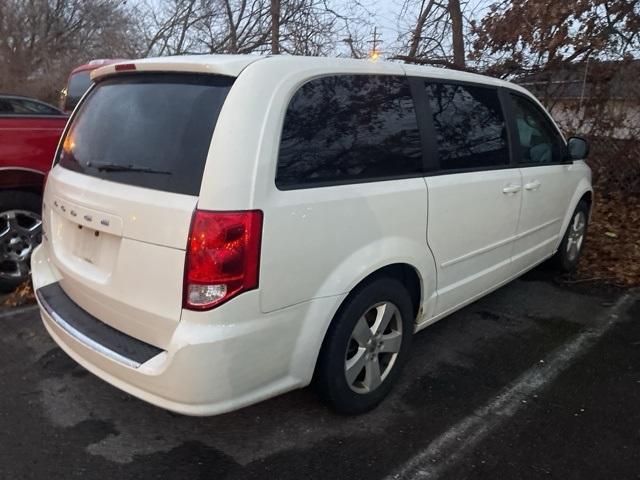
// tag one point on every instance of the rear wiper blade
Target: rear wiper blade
(115, 167)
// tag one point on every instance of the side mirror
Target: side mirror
(577, 148)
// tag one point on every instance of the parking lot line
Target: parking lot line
(461, 438)
(18, 311)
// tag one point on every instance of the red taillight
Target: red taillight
(223, 256)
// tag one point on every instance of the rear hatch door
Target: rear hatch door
(119, 202)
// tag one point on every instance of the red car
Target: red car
(29, 134)
(79, 82)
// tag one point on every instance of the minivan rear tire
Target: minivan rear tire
(369, 301)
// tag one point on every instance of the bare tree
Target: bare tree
(42, 40)
(169, 25)
(436, 36)
(416, 34)
(308, 27)
(275, 27)
(455, 14)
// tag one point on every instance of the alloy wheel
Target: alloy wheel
(576, 235)
(20, 233)
(373, 347)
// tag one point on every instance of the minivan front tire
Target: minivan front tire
(366, 347)
(568, 255)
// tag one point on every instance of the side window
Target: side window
(27, 107)
(469, 124)
(349, 127)
(5, 107)
(540, 141)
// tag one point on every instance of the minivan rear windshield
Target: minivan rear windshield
(149, 130)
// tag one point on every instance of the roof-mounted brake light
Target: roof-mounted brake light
(125, 66)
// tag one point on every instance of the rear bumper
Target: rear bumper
(90, 331)
(216, 361)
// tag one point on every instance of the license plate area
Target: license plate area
(87, 244)
(91, 253)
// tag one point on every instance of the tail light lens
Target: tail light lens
(223, 257)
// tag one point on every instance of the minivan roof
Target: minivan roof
(233, 65)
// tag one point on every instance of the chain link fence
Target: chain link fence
(615, 164)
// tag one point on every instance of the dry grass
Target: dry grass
(612, 250)
(23, 295)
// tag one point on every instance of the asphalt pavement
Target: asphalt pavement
(537, 380)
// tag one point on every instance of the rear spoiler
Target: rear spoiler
(228, 65)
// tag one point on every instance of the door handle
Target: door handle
(511, 189)
(532, 185)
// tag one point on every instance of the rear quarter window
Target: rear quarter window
(147, 130)
(349, 128)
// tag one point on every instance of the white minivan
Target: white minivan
(218, 230)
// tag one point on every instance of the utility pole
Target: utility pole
(375, 53)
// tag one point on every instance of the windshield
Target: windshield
(79, 83)
(148, 130)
